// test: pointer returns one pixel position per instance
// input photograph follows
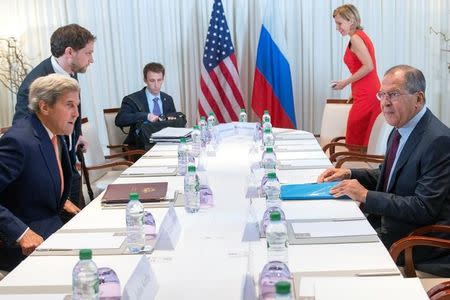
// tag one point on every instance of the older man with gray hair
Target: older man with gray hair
(35, 168)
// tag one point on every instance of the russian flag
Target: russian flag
(272, 85)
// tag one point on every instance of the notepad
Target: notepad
(308, 191)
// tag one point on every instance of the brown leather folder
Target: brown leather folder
(148, 192)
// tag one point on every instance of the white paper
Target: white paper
(301, 155)
(303, 148)
(172, 132)
(165, 153)
(304, 163)
(156, 162)
(71, 241)
(334, 228)
(296, 142)
(169, 231)
(142, 171)
(224, 130)
(164, 147)
(142, 283)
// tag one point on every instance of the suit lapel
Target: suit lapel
(411, 144)
(381, 178)
(164, 102)
(143, 100)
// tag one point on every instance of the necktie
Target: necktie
(391, 158)
(156, 111)
(58, 160)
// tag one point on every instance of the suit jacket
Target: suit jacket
(130, 114)
(419, 191)
(43, 69)
(30, 187)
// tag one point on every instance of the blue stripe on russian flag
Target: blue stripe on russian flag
(273, 65)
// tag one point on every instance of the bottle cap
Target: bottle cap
(196, 127)
(191, 168)
(283, 288)
(267, 130)
(275, 216)
(269, 149)
(134, 196)
(211, 114)
(183, 140)
(202, 118)
(272, 175)
(266, 111)
(242, 109)
(85, 254)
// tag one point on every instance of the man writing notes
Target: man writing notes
(35, 168)
(72, 47)
(411, 188)
(148, 110)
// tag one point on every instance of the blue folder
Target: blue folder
(308, 191)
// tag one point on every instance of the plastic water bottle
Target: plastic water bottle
(268, 138)
(243, 115)
(273, 272)
(269, 160)
(277, 238)
(196, 141)
(272, 191)
(266, 117)
(182, 156)
(85, 282)
(266, 217)
(203, 131)
(191, 191)
(135, 224)
(109, 287)
(283, 290)
(211, 122)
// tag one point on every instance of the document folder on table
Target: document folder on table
(171, 134)
(148, 192)
(308, 191)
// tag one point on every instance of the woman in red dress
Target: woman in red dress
(360, 60)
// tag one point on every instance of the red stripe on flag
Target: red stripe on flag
(210, 99)
(264, 98)
(223, 97)
(234, 88)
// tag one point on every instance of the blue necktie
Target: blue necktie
(156, 110)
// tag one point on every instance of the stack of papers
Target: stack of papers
(170, 134)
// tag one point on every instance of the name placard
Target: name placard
(142, 283)
(169, 232)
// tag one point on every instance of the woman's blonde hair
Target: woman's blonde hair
(349, 13)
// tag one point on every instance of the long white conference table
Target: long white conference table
(213, 257)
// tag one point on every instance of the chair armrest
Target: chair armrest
(121, 146)
(110, 165)
(407, 243)
(126, 153)
(337, 139)
(443, 287)
(430, 228)
(332, 146)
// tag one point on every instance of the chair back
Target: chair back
(334, 119)
(379, 136)
(94, 154)
(3, 130)
(115, 135)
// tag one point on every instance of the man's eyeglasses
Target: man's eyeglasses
(391, 96)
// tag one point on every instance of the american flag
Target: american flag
(219, 81)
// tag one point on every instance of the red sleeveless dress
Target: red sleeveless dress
(366, 106)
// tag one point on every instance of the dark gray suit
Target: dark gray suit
(418, 194)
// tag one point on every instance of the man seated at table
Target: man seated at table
(411, 188)
(35, 168)
(148, 110)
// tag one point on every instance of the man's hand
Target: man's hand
(152, 118)
(333, 175)
(351, 188)
(30, 241)
(83, 143)
(70, 207)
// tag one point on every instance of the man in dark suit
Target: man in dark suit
(412, 187)
(72, 47)
(35, 168)
(149, 105)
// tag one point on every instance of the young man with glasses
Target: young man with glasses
(411, 188)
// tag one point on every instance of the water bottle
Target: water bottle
(191, 191)
(269, 160)
(266, 217)
(182, 156)
(266, 117)
(277, 238)
(109, 287)
(243, 115)
(283, 290)
(85, 282)
(211, 122)
(203, 131)
(196, 141)
(273, 272)
(272, 191)
(135, 224)
(268, 138)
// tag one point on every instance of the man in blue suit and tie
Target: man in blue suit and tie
(411, 188)
(148, 106)
(35, 168)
